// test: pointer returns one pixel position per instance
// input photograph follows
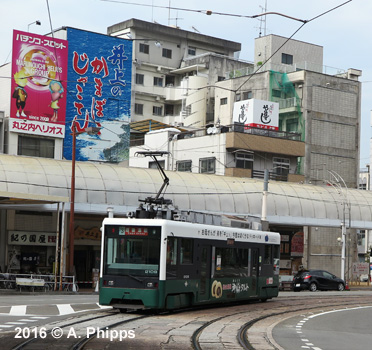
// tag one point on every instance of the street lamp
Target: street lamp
(38, 23)
(336, 184)
(90, 131)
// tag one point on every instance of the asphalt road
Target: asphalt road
(26, 310)
(333, 330)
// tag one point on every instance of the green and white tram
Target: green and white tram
(166, 264)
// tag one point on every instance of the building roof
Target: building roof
(99, 186)
(148, 125)
(169, 31)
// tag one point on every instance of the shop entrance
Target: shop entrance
(86, 258)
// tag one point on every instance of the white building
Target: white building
(174, 71)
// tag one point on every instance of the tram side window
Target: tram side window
(186, 256)
(172, 251)
(231, 262)
(268, 258)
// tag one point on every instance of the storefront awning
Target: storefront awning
(11, 198)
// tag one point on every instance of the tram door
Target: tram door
(254, 259)
(205, 272)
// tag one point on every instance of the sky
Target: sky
(342, 27)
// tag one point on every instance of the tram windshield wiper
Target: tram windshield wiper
(135, 278)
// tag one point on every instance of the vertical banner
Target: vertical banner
(38, 88)
(99, 85)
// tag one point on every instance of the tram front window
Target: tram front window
(131, 253)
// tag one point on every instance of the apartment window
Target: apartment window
(242, 96)
(291, 125)
(223, 101)
(156, 110)
(287, 59)
(207, 165)
(35, 147)
(167, 53)
(192, 51)
(277, 93)
(281, 166)
(169, 109)
(153, 165)
(170, 80)
(220, 78)
(158, 81)
(244, 160)
(139, 79)
(138, 108)
(247, 95)
(144, 48)
(184, 165)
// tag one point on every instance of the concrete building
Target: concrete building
(228, 151)
(175, 70)
(324, 106)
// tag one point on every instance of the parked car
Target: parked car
(314, 280)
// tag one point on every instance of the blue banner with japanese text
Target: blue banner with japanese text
(99, 96)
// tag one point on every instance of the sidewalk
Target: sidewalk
(25, 292)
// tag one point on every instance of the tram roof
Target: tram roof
(102, 185)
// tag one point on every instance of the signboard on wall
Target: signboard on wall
(257, 114)
(32, 238)
(99, 76)
(297, 244)
(38, 86)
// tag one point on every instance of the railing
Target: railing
(37, 281)
(259, 174)
(288, 68)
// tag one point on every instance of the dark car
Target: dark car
(314, 280)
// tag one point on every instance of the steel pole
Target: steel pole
(72, 205)
(343, 240)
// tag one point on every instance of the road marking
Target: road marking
(16, 323)
(65, 309)
(18, 310)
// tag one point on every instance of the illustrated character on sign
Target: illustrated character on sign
(56, 89)
(20, 93)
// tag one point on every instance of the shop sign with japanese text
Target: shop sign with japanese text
(38, 85)
(257, 114)
(32, 238)
(100, 80)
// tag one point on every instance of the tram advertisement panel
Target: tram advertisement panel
(99, 76)
(39, 76)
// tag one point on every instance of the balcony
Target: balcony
(259, 174)
(267, 141)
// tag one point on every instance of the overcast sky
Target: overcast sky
(344, 32)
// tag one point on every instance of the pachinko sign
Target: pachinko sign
(39, 81)
(257, 114)
(99, 75)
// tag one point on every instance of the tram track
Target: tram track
(68, 337)
(242, 334)
(240, 326)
